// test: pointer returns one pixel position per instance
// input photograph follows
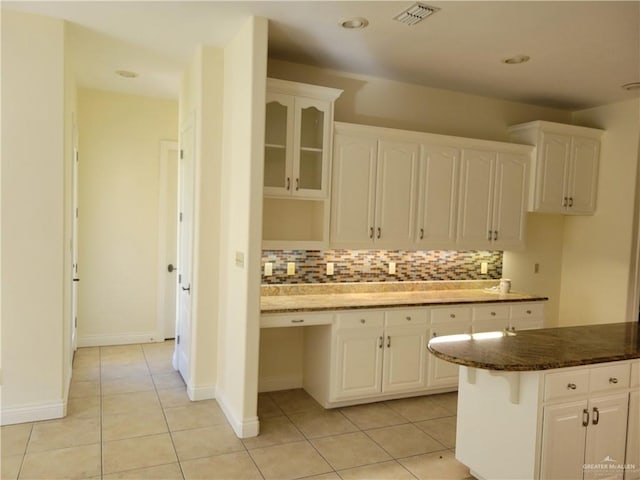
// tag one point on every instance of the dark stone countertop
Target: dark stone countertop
(542, 349)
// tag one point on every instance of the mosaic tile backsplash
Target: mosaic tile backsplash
(373, 265)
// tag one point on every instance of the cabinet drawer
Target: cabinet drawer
(490, 312)
(395, 318)
(527, 310)
(635, 374)
(610, 377)
(295, 319)
(450, 314)
(360, 319)
(566, 384)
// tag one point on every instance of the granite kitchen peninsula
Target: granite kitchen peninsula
(555, 403)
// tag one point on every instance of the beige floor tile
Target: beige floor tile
(295, 401)
(89, 388)
(373, 415)
(350, 450)
(116, 426)
(140, 452)
(168, 380)
(83, 407)
(322, 423)
(118, 350)
(418, 408)
(14, 439)
(436, 466)
(196, 415)
(232, 466)
(267, 407)
(63, 433)
(442, 429)
(274, 431)
(449, 401)
(86, 374)
(131, 402)
(174, 397)
(127, 360)
(113, 372)
(379, 471)
(162, 472)
(127, 385)
(86, 362)
(157, 366)
(87, 352)
(404, 440)
(324, 476)
(10, 466)
(205, 442)
(68, 463)
(293, 460)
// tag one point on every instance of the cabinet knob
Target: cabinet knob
(613, 380)
(493, 314)
(408, 319)
(362, 320)
(434, 334)
(571, 386)
(528, 312)
(453, 315)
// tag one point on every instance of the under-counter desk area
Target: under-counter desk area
(365, 342)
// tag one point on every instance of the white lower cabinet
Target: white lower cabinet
(633, 435)
(447, 321)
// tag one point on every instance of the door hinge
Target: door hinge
(179, 278)
(178, 339)
(76, 212)
(180, 216)
(75, 322)
(181, 154)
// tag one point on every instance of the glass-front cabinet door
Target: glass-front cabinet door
(311, 147)
(278, 148)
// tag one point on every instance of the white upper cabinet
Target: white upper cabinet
(298, 139)
(493, 192)
(564, 175)
(437, 197)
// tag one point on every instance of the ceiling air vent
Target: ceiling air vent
(415, 13)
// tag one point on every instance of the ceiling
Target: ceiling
(581, 51)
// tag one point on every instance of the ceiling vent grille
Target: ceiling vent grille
(415, 13)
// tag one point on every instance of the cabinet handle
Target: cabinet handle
(362, 320)
(408, 319)
(566, 200)
(570, 202)
(288, 183)
(379, 232)
(388, 341)
(489, 236)
(585, 417)
(370, 232)
(421, 233)
(452, 315)
(297, 184)
(571, 386)
(495, 235)
(596, 416)
(300, 320)
(493, 314)
(379, 342)
(528, 312)
(613, 380)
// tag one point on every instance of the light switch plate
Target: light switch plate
(329, 268)
(268, 269)
(392, 268)
(291, 268)
(484, 267)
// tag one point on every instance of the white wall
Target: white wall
(597, 255)
(33, 384)
(119, 152)
(245, 61)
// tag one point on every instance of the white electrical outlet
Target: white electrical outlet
(392, 268)
(329, 268)
(268, 269)
(484, 267)
(291, 268)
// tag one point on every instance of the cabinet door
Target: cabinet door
(438, 197)
(358, 363)
(353, 191)
(476, 195)
(395, 193)
(405, 357)
(311, 147)
(633, 437)
(583, 179)
(552, 172)
(509, 201)
(606, 435)
(563, 440)
(278, 148)
(441, 373)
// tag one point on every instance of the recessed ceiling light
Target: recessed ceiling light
(516, 60)
(126, 74)
(631, 86)
(354, 23)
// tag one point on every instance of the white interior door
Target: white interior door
(167, 239)
(74, 242)
(185, 250)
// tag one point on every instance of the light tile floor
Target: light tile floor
(129, 418)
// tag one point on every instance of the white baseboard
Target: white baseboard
(243, 428)
(280, 382)
(32, 412)
(201, 392)
(118, 339)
